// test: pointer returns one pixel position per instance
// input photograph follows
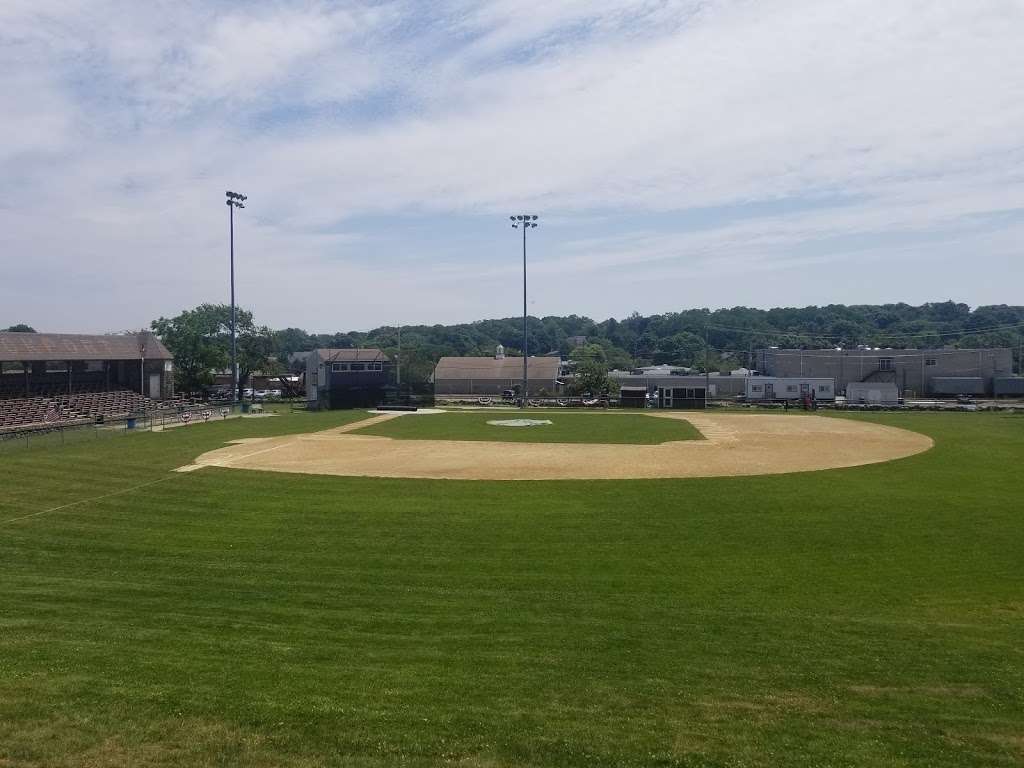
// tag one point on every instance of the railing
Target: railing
(72, 433)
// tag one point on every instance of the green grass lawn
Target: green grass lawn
(566, 427)
(871, 616)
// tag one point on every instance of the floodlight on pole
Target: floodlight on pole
(234, 200)
(525, 221)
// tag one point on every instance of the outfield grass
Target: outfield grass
(863, 617)
(566, 427)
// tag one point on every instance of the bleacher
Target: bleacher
(80, 407)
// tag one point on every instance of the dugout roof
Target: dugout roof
(36, 347)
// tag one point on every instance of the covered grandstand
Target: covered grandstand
(60, 377)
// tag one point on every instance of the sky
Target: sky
(679, 154)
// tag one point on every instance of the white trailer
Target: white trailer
(777, 388)
(872, 393)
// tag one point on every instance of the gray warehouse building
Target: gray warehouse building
(913, 371)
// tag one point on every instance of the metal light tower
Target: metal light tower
(525, 221)
(234, 200)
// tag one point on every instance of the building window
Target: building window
(339, 367)
(358, 367)
(885, 364)
(755, 387)
(377, 366)
(791, 387)
(930, 361)
(823, 387)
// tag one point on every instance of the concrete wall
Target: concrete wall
(912, 369)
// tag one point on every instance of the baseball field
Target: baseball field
(857, 616)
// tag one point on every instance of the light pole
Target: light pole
(235, 200)
(525, 221)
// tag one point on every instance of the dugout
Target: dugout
(347, 378)
(633, 397)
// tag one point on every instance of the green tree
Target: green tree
(21, 328)
(196, 339)
(200, 340)
(591, 377)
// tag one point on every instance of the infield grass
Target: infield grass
(871, 616)
(566, 427)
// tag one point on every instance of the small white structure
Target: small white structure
(872, 393)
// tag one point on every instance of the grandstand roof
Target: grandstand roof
(31, 347)
(496, 368)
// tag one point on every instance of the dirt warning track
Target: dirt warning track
(734, 444)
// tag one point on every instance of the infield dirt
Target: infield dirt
(734, 444)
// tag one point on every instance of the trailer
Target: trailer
(1008, 386)
(958, 385)
(872, 393)
(772, 389)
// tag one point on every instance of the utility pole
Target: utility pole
(526, 221)
(707, 371)
(398, 363)
(234, 200)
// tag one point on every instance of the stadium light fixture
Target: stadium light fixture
(234, 200)
(526, 221)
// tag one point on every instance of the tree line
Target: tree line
(720, 339)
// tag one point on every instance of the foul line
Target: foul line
(86, 501)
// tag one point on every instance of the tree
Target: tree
(195, 338)
(591, 370)
(591, 377)
(290, 340)
(200, 340)
(21, 328)
(587, 352)
(256, 352)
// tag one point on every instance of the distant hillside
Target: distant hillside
(678, 337)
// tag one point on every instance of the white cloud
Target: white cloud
(124, 124)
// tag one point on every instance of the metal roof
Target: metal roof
(356, 355)
(36, 347)
(496, 368)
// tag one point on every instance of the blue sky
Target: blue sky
(690, 153)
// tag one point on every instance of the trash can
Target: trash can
(131, 422)
(245, 407)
